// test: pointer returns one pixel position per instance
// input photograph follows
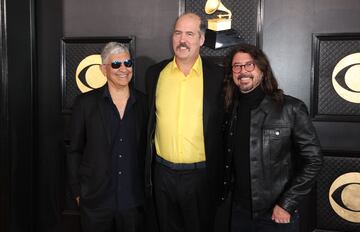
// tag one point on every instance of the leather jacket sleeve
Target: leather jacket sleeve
(308, 158)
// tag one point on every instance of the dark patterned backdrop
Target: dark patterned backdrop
(245, 20)
(328, 50)
(334, 167)
(73, 51)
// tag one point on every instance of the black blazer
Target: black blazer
(89, 155)
(212, 123)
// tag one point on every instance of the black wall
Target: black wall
(4, 136)
(49, 18)
(18, 134)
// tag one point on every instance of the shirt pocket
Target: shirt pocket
(279, 142)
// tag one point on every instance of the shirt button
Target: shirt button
(121, 140)
(120, 156)
(120, 172)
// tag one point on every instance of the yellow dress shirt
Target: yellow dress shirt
(179, 134)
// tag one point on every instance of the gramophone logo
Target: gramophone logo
(88, 75)
(349, 68)
(344, 196)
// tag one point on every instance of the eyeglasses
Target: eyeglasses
(249, 67)
(117, 64)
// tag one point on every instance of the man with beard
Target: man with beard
(273, 154)
(184, 158)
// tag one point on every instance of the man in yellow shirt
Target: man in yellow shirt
(184, 154)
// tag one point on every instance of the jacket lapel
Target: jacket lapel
(206, 91)
(262, 111)
(102, 111)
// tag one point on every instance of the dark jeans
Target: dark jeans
(182, 200)
(242, 221)
(105, 220)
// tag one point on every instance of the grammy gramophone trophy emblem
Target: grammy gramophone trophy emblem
(219, 33)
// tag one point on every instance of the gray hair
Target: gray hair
(113, 48)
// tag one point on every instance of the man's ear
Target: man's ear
(202, 39)
(103, 69)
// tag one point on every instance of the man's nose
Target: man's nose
(242, 69)
(182, 38)
(122, 67)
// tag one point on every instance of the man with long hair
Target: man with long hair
(273, 154)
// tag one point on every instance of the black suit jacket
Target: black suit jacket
(212, 123)
(89, 155)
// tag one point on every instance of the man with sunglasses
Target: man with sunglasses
(184, 155)
(107, 149)
(272, 153)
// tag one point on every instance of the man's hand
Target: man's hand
(280, 215)
(77, 200)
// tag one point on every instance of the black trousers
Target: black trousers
(182, 200)
(241, 221)
(106, 220)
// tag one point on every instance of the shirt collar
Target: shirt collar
(196, 67)
(106, 95)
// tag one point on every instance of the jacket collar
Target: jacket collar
(266, 104)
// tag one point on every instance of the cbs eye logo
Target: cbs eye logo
(349, 68)
(344, 196)
(88, 74)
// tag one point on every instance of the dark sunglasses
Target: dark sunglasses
(117, 64)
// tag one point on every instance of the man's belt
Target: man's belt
(180, 166)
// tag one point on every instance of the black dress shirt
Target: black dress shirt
(127, 181)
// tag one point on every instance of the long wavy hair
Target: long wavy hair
(268, 84)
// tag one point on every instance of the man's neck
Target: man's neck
(252, 98)
(121, 92)
(185, 65)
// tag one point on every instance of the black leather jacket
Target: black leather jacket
(285, 154)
